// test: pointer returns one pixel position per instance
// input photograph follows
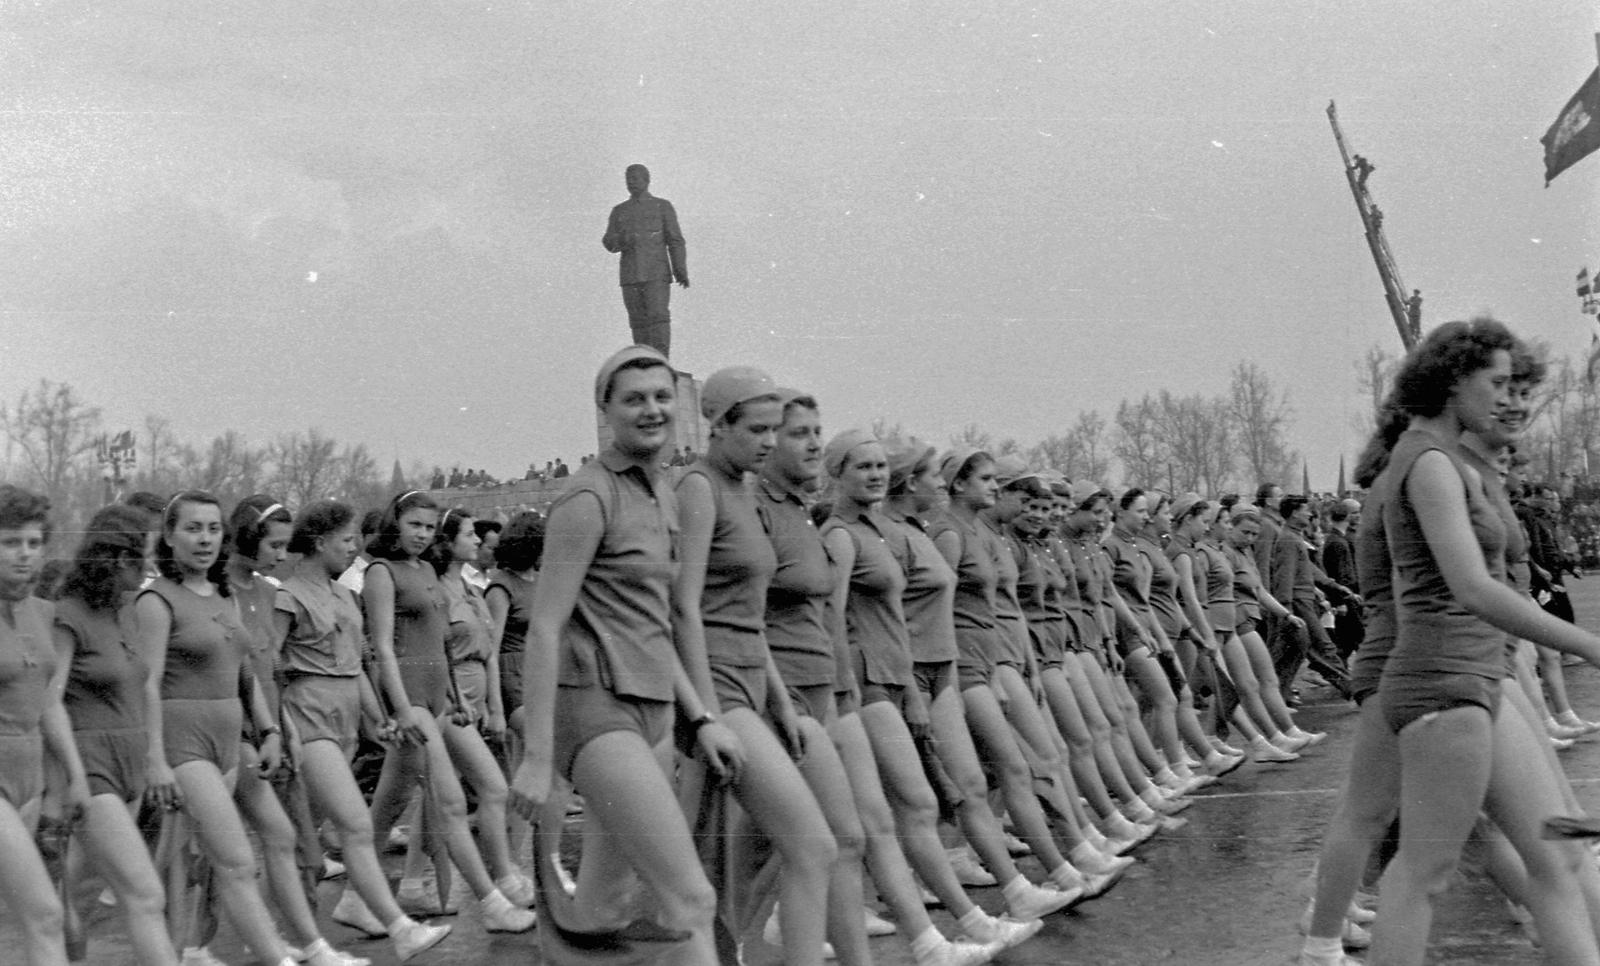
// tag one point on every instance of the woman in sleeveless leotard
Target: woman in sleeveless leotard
(1441, 685)
(105, 698)
(408, 622)
(189, 629)
(319, 637)
(602, 675)
(33, 675)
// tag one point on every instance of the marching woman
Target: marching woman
(33, 674)
(602, 675)
(719, 602)
(258, 540)
(408, 621)
(988, 674)
(510, 599)
(1441, 685)
(1212, 579)
(321, 634)
(105, 699)
(1183, 638)
(803, 647)
(475, 663)
(189, 629)
(1143, 644)
(1280, 738)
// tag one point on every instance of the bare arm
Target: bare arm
(697, 516)
(1434, 489)
(499, 601)
(154, 622)
(57, 727)
(573, 536)
(1189, 599)
(377, 592)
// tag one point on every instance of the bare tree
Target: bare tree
(53, 429)
(1138, 442)
(1089, 433)
(1374, 374)
(1196, 436)
(974, 436)
(306, 467)
(1260, 414)
(158, 470)
(886, 432)
(229, 467)
(358, 479)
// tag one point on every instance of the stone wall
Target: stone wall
(508, 498)
(688, 426)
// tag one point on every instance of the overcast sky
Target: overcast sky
(383, 219)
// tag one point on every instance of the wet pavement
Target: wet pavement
(1226, 890)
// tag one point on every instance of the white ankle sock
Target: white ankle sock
(974, 918)
(927, 942)
(1324, 945)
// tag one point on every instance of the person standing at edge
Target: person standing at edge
(644, 230)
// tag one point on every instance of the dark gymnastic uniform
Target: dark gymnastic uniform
(874, 619)
(514, 638)
(1444, 657)
(798, 626)
(1132, 574)
(618, 659)
(977, 579)
(322, 660)
(105, 698)
(27, 660)
(739, 567)
(206, 669)
(421, 623)
(928, 603)
(468, 642)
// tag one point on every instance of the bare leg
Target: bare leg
(259, 807)
(113, 847)
(477, 765)
(825, 774)
(335, 794)
(25, 886)
(1371, 797)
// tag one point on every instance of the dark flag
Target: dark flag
(1583, 283)
(1576, 131)
(1340, 492)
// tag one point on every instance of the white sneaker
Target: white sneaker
(1359, 914)
(1016, 846)
(1265, 751)
(948, 953)
(877, 925)
(1036, 902)
(772, 935)
(516, 887)
(929, 899)
(1355, 937)
(1337, 959)
(200, 956)
(399, 839)
(1570, 719)
(328, 956)
(1092, 862)
(1289, 743)
(421, 897)
(331, 868)
(1004, 932)
(353, 912)
(419, 937)
(499, 915)
(1163, 804)
(1310, 737)
(968, 868)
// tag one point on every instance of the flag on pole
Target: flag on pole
(1583, 282)
(1341, 491)
(1305, 479)
(1576, 131)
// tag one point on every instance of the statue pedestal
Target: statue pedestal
(689, 428)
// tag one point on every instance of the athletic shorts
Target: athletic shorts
(813, 700)
(740, 687)
(324, 708)
(934, 678)
(472, 683)
(1406, 700)
(114, 761)
(1246, 625)
(586, 712)
(200, 729)
(511, 680)
(21, 768)
(844, 702)
(1047, 644)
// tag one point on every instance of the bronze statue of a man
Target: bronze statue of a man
(645, 230)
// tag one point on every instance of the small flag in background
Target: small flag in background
(1583, 282)
(1576, 131)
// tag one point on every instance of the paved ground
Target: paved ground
(1224, 891)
